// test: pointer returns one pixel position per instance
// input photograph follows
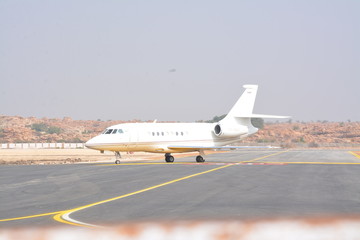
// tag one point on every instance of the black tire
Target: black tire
(169, 158)
(200, 159)
(117, 162)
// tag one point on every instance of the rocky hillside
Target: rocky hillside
(19, 129)
(311, 134)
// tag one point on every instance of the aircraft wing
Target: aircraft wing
(197, 148)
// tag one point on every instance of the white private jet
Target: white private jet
(183, 137)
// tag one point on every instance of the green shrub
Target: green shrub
(52, 130)
(39, 127)
(2, 133)
(216, 119)
(295, 128)
(42, 127)
(257, 122)
(313, 145)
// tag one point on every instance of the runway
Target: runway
(234, 185)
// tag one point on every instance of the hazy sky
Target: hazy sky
(179, 60)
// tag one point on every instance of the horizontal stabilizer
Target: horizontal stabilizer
(260, 116)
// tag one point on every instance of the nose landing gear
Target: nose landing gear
(118, 157)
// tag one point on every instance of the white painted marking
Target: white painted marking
(67, 217)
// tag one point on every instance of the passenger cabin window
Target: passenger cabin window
(108, 131)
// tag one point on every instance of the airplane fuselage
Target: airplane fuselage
(157, 137)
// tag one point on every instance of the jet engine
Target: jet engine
(224, 130)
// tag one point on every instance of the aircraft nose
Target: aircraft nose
(87, 144)
(90, 144)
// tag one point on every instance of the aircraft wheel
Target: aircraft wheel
(169, 158)
(200, 159)
(117, 162)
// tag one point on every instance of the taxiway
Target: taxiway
(237, 184)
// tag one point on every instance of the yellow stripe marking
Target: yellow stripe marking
(58, 215)
(129, 164)
(353, 153)
(334, 163)
(31, 216)
(122, 164)
(256, 159)
(59, 218)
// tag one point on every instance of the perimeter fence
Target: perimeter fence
(41, 145)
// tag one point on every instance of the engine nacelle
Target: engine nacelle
(223, 130)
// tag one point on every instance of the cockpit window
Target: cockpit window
(108, 131)
(112, 131)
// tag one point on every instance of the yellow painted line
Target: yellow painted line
(356, 155)
(129, 164)
(176, 163)
(31, 216)
(333, 163)
(144, 162)
(59, 217)
(257, 159)
(165, 163)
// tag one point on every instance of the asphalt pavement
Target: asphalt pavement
(235, 185)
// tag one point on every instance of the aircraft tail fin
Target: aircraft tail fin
(245, 105)
(240, 115)
(243, 108)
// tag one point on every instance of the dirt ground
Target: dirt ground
(68, 156)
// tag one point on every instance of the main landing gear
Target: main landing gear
(118, 157)
(169, 158)
(200, 159)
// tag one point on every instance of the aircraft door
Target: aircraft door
(133, 139)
